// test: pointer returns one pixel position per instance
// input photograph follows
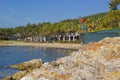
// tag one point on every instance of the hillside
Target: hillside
(47, 28)
(95, 22)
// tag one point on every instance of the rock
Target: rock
(95, 61)
(29, 78)
(25, 67)
(19, 75)
(8, 78)
(35, 63)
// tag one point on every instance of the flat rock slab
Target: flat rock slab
(35, 63)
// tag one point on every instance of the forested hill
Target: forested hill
(93, 22)
(47, 28)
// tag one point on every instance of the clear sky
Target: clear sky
(20, 12)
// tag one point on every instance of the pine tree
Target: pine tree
(113, 4)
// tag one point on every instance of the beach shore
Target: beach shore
(50, 45)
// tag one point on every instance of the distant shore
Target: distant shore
(50, 45)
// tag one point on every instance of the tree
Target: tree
(113, 4)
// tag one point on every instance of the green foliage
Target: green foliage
(113, 4)
(93, 22)
(111, 20)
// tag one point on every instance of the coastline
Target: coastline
(49, 45)
(33, 44)
(94, 61)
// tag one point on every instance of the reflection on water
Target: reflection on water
(10, 55)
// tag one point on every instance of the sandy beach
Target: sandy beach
(51, 45)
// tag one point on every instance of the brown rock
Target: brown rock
(95, 61)
(19, 75)
(35, 63)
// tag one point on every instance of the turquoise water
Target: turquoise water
(10, 55)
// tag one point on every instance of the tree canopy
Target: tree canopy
(113, 4)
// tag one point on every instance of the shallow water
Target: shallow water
(10, 55)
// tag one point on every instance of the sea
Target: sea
(10, 55)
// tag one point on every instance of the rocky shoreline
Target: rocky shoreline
(95, 61)
(24, 68)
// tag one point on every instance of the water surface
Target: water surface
(10, 55)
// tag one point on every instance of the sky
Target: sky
(15, 13)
